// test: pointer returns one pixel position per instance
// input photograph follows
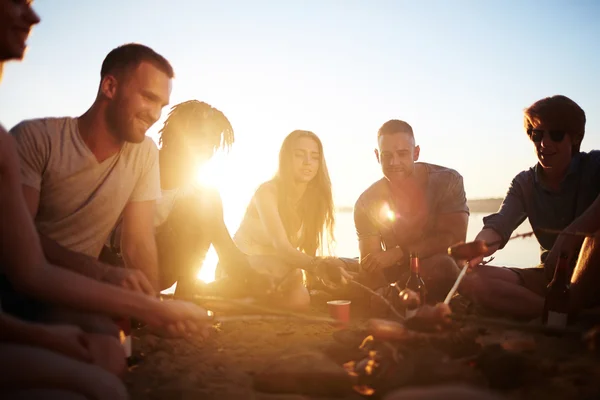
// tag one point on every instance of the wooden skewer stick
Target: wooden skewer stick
(262, 317)
(382, 298)
(544, 230)
(456, 283)
(242, 305)
(482, 248)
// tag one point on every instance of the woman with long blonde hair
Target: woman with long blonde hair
(289, 222)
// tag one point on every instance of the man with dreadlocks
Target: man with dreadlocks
(189, 217)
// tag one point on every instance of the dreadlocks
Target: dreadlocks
(185, 117)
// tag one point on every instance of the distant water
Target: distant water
(517, 253)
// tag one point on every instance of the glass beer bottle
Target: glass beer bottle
(415, 283)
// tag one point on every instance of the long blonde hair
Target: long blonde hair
(315, 210)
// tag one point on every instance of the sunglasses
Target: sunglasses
(536, 135)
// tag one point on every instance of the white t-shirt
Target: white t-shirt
(165, 205)
(80, 198)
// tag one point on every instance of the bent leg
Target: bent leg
(501, 290)
(25, 368)
(291, 292)
(586, 276)
(439, 272)
(183, 242)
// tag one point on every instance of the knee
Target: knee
(442, 268)
(472, 285)
(107, 353)
(448, 267)
(295, 292)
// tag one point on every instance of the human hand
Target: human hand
(132, 279)
(476, 261)
(68, 340)
(566, 243)
(107, 352)
(383, 259)
(331, 272)
(486, 243)
(260, 284)
(179, 318)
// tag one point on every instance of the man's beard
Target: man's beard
(398, 174)
(114, 123)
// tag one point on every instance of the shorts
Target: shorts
(533, 279)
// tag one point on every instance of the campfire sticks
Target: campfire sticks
(456, 284)
(267, 313)
(472, 250)
(262, 317)
(382, 298)
(543, 230)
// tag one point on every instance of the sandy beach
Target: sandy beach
(291, 360)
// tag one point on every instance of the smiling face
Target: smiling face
(136, 99)
(397, 154)
(16, 20)
(553, 147)
(306, 159)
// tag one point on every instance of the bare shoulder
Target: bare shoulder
(267, 190)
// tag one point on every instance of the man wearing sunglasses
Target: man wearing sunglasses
(557, 194)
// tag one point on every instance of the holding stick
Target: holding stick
(457, 283)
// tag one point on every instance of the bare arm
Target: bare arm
(137, 240)
(498, 227)
(59, 255)
(588, 223)
(14, 330)
(232, 259)
(24, 263)
(372, 256)
(268, 211)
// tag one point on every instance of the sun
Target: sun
(236, 184)
(209, 174)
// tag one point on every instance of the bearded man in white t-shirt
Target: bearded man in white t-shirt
(80, 175)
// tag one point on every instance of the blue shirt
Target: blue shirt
(527, 197)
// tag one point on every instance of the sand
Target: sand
(227, 364)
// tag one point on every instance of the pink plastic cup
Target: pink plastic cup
(340, 310)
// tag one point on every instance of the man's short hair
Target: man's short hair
(129, 56)
(559, 112)
(395, 126)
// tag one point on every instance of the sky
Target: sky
(460, 72)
